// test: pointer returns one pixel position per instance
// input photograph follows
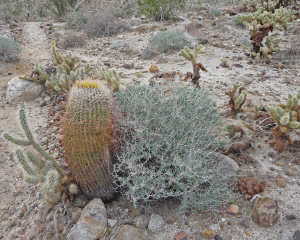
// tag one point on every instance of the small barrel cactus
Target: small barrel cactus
(87, 138)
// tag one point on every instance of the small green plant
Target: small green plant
(43, 171)
(168, 41)
(216, 12)
(229, 127)
(237, 97)
(160, 9)
(167, 148)
(9, 49)
(66, 71)
(76, 20)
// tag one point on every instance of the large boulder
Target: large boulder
(192, 34)
(92, 223)
(19, 90)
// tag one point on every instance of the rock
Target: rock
(224, 64)
(111, 222)
(127, 232)
(296, 30)
(141, 221)
(208, 233)
(118, 44)
(19, 90)
(161, 60)
(292, 171)
(228, 165)
(180, 236)
(290, 216)
(105, 59)
(265, 211)
(92, 224)
(80, 201)
(148, 54)
(136, 22)
(155, 222)
(296, 235)
(153, 69)
(237, 9)
(280, 182)
(233, 209)
(192, 34)
(243, 41)
(47, 99)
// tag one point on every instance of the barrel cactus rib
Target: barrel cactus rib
(88, 137)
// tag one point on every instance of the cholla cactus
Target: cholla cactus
(287, 118)
(112, 78)
(268, 16)
(67, 71)
(237, 100)
(88, 139)
(191, 56)
(43, 171)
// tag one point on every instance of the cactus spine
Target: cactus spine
(43, 171)
(87, 138)
(237, 100)
(112, 78)
(67, 70)
(191, 56)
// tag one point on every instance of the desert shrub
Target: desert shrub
(216, 12)
(160, 9)
(9, 49)
(123, 11)
(76, 20)
(73, 40)
(10, 10)
(60, 8)
(103, 25)
(169, 138)
(168, 41)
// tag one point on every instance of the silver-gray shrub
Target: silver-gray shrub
(168, 145)
(9, 49)
(168, 41)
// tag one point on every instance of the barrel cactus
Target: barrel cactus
(87, 138)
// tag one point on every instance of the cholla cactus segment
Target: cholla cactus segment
(88, 139)
(73, 189)
(40, 170)
(167, 146)
(68, 70)
(237, 99)
(190, 55)
(112, 78)
(265, 18)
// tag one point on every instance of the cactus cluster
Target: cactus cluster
(112, 78)
(43, 171)
(287, 118)
(88, 138)
(237, 100)
(67, 70)
(191, 56)
(265, 18)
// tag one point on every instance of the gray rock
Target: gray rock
(243, 41)
(92, 223)
(20, 90)
(105, 59)
(227, 165)
(161, 60)
(47, 99)
(111, 222)
(155, 222)
(296, 235)
(141, 221)
(127, 232)
(118, 44)
(192, 34)
(136, 22)
(148, 54)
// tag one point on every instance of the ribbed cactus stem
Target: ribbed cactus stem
(87, 138)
